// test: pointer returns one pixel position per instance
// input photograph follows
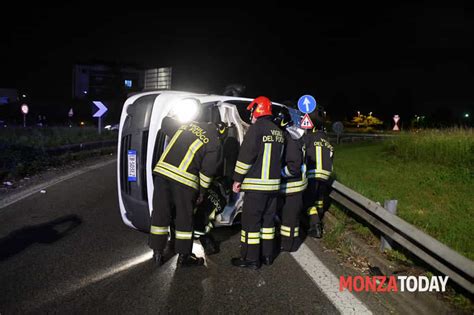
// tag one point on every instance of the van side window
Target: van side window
(242, 109)
(209, 113)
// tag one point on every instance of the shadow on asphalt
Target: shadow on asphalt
(45, 233)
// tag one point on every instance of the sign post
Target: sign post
(306, 104)
(338, 129)
(102, 109)
(306, 122)
(70, 114)
(24, 110)
(396, 118)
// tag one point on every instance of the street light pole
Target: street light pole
(24, 110)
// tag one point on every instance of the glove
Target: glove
(199, 199)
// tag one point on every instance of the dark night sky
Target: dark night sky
(406, 59)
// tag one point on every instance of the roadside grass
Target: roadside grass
(338, 237)
(451, 147)
(431, 174)
(433, 193)
(51, 136)
(24, 151)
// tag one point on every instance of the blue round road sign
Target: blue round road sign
(306, 104)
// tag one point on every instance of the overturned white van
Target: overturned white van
(141, 144)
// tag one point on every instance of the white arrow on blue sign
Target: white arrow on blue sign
(306, 104)
(102, 109)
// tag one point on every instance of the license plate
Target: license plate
(132, 165)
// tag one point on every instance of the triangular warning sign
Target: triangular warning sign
(306, 122)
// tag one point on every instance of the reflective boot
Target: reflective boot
(267, 260)
(209, 244)
(244, 263)
(316, 230)
(189, 260)
(158, 258)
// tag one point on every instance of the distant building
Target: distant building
(158, 79)
(111, 84)
(99, 81)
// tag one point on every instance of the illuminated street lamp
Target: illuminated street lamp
(24, 110)
(466, 115)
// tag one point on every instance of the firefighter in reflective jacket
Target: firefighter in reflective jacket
(183, 174)
(293, 181)
(257, 173)
(319, 155)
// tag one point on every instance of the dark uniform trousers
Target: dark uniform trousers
(258, 226)
(168, 193)
(319, 161)
(314, 200)
(290, 219)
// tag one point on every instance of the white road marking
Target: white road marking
(9, 200)
(344, 301)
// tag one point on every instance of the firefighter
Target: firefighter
(183, 174)
(319, 155)
(293, 182)
(257, 173)
(213, 204)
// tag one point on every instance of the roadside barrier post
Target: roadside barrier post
(386, 242)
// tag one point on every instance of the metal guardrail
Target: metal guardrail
(353, 137)
(447, 261)
(81, 146)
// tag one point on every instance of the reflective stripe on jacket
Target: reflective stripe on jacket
(294, 172)
(319, 155)
(192, 156)
(258, 166)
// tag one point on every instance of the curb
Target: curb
(374, 258)
(411, 303)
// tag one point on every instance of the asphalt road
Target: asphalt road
(67, 251)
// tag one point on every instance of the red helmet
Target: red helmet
(261, 106)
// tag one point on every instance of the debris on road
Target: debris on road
(43, 191)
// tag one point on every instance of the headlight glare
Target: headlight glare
(186, 110)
